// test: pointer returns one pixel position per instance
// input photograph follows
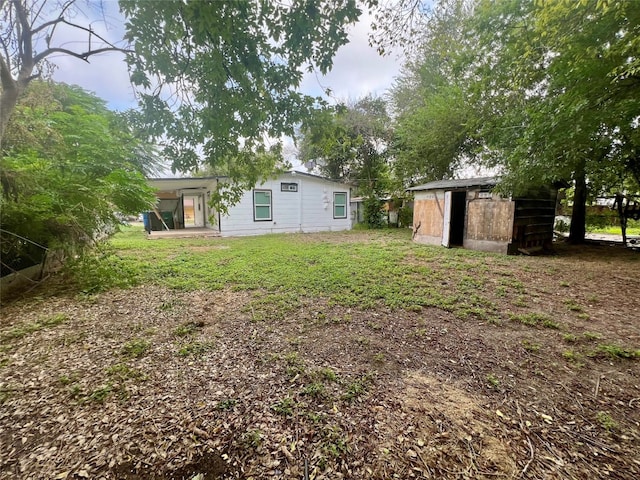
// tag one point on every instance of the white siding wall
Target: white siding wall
(310, 209)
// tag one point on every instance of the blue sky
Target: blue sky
(358, 69)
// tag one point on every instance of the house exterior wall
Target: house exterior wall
(428, 217)
(309, 209)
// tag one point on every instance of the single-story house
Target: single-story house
(468, 213)
(292, 202)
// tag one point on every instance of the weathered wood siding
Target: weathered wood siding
(428, 217)
(489, 219)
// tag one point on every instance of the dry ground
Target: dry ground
(157, 383)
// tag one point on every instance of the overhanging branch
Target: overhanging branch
(82, 56)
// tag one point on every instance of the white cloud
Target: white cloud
(358, 69)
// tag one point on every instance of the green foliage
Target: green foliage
(235, 68)
(606, 420)
(100, 394)
(435, 121)
(195, 349)
(122, 372)
(616, 351)
(284, 407)
(351, 143)
(493, 381)
(187, 329)
(534, 319)
(314, 390)
(135, 348)
(29, 328)
(556, 107)
(357, 388)
(405, 216)
(373, 214)
(545, 92)
(68, 166)
(386, 269)
(227, 404)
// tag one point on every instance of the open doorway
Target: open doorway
(193, 210)
(458, 213)
(454, 218)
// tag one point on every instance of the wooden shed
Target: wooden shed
(468, 213)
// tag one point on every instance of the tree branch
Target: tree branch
(46, 25)
(86, 29)
(82, 56)
(25, 40)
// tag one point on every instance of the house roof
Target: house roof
(454, 184)
(193, 183)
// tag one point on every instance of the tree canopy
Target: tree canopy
(32, 32)
(542, 91)
(350, 143)
(219, 78)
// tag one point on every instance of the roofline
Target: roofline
(167, 179)
(456, 184)
(220, 177)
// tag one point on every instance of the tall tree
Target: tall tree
(351, 143)
(559, 89)
(31, 33)
(434, 119)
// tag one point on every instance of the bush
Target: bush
(373, 215)
(405, 216)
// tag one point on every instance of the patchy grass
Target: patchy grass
(534, 319)
(195, 349)
(617, 352)
(135, 348)
(18, 332)
(352, 355)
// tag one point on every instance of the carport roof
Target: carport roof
(455, 184)
(165, 184)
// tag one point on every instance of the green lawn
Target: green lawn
(349, 269)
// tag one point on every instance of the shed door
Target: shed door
(446, 221)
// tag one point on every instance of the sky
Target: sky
(358, 70)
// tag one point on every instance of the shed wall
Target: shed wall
(428, 217)
(489, 219)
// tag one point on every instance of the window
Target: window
(339, 205)
(288, 187)
(261, 205)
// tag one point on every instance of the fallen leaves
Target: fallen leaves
(342, 411)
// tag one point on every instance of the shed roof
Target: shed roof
(453, 184)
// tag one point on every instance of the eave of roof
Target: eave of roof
(454, 184)
(200, 180)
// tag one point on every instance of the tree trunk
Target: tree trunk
(579, 212)
(8, 101)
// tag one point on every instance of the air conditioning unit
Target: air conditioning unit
(293, 187)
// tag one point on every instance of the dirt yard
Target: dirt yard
(159, 383)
